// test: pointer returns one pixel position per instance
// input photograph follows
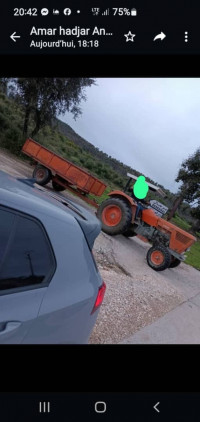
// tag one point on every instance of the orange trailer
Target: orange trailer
(63, 173)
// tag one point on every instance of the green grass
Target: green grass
(180, 222)
(103, 197)
(193, 256)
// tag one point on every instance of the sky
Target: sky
(150, 124)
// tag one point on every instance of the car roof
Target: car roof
(25, 195)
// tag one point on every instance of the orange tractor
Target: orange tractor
(119, 215)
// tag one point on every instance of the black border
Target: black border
(100, 66)
(114, 368)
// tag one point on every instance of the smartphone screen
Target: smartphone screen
(100, 208)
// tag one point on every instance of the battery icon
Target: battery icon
(133, 12)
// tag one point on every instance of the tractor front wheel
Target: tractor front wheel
(158, 258)
(115, 215)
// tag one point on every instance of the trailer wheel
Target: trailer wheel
(115, 215)
(42, 175)
(158, 258)
(174, 262)
(57, 187)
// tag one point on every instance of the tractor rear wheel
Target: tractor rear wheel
(174, 262)
(42, 175)
(115, 215)
(158, 258)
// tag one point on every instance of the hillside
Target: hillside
(117, 165)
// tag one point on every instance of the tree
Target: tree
(189, 191)
(189, 174)
(44, 98)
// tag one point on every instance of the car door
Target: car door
(27, 264)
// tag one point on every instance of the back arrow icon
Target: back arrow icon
(155, 407)
(13, 36)
(160, 36)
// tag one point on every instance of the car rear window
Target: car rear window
(27, 259)
(6, 223)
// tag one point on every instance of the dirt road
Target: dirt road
(136, 295)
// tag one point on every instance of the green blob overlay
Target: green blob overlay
(140, 188)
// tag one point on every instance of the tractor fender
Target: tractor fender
(127, 198)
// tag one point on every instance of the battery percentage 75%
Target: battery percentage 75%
(123, 11)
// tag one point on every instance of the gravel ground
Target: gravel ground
(135, 295)
(131, 304)
(132, 299)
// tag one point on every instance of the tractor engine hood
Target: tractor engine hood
(180, 240)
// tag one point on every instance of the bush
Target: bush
(46, 131)
(119, 181)
(2, 108)
(89, 164)
(4, 122)
(196, 226)
(13, 140)
(82, 160)
(99, 165)
(105, 172)
(63, 149)
(61, 138)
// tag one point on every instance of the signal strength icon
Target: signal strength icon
(106, 12)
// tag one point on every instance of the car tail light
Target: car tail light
(99, 299)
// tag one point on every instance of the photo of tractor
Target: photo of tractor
(124, 214)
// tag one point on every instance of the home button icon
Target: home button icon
(100, 407)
